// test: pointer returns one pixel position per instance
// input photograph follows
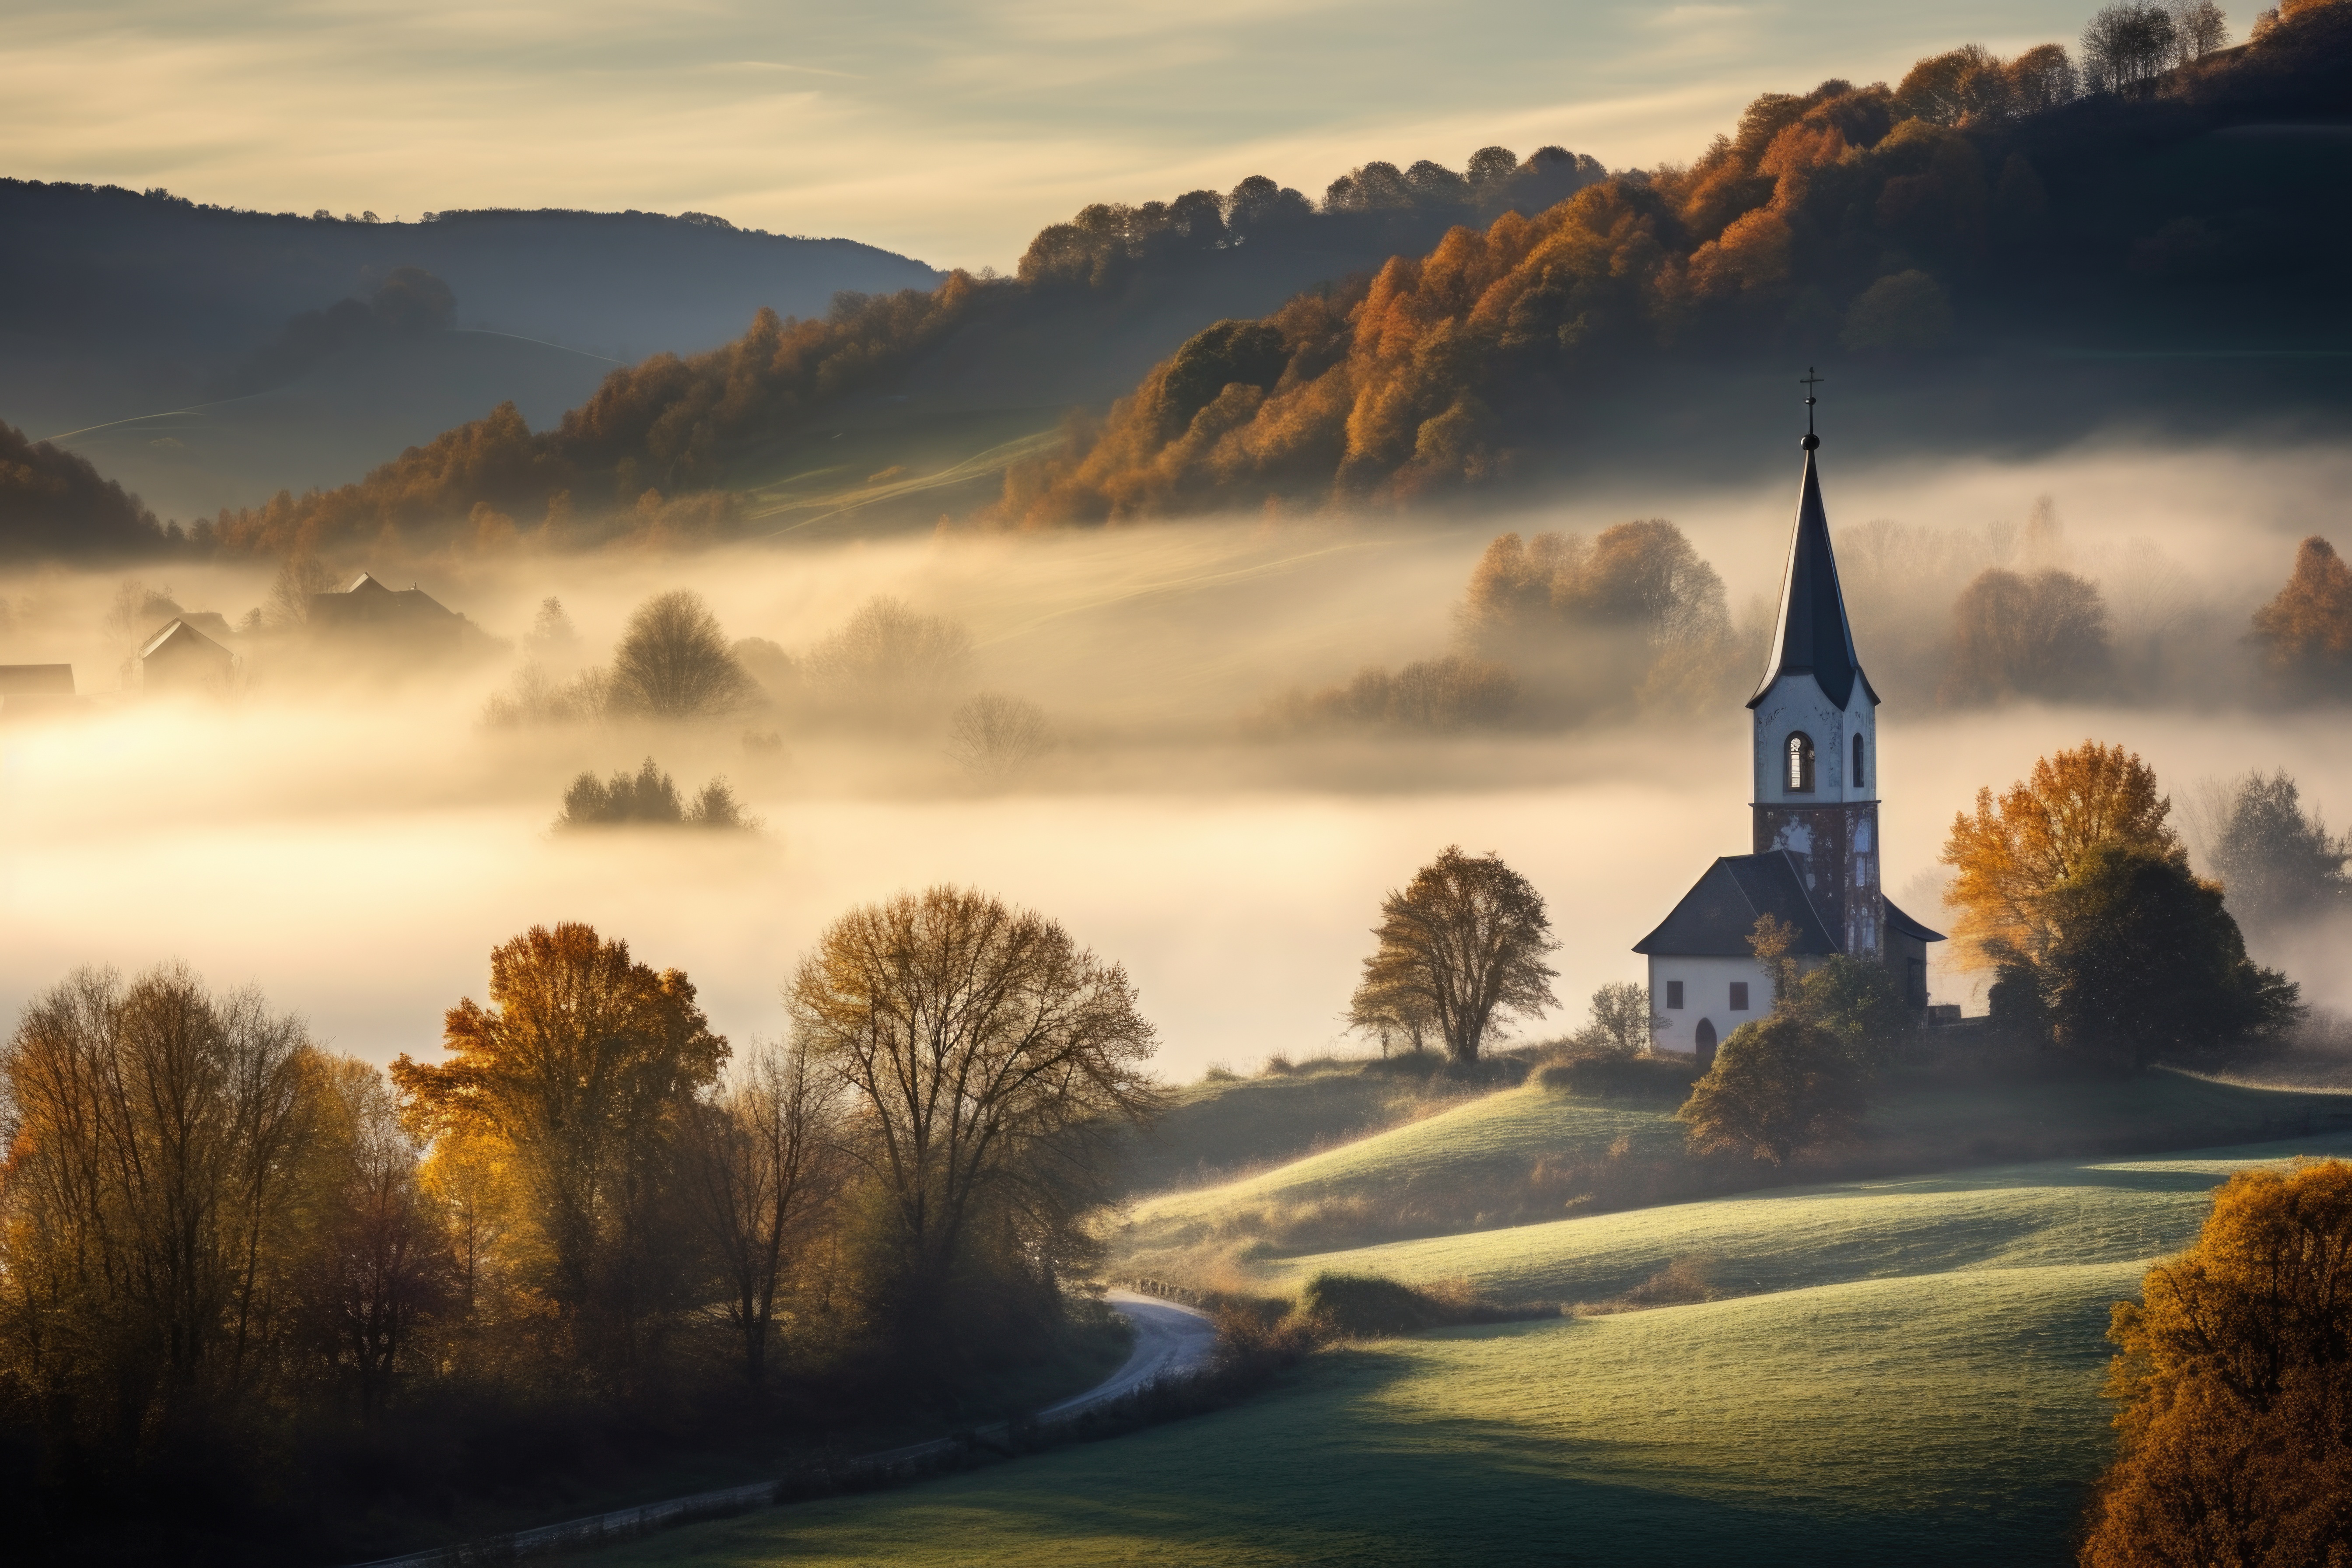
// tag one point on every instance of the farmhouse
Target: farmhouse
(1815, 860)
(180, 658)
(368, 611)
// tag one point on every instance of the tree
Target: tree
(890, 661)
(1392, 1015)
(992, 737)
(992, 1060)
(649, 796)
(1465, 939)
(2126, 47)
(2306, 633)
(1861, 1003)
(2199, 27)
(149, 1214)
(767, 1162)
(1778, 1084)
(2142, 964)
(582, 1076)
(2277, 863)
(2234, 1370)
(2010, 855)
(673, 661)
(2045, 636)
(1621, 1021)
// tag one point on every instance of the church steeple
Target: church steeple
(1811, 637)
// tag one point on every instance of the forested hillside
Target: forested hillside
(1982, 217)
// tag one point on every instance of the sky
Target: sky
(947, 131)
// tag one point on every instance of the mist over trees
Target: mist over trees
(2304, 633)
(410, 303)
(55, 503)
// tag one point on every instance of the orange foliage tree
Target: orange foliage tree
(2306, 633)
(2236, 1368)
(2015, 851)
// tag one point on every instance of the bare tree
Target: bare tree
(674, 663)
(1467, 937)
(1620, 1019)
(290, 590)
(2126, 47)
(992, 1060)
(994, 737)
(2199, 27)
(770, 1167)
(891, 661)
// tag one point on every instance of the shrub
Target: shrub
(1777, 1086)
(1612, 1075)
(1367, 1306)
(649, 796)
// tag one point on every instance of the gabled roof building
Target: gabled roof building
(1814, 861)
(179, 657)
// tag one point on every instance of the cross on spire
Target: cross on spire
(1809, 381)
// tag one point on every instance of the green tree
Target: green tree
(2144, 965)
(1621, 1021)
(1464, 941)
(2277, 862)
(1859, 1002)
(1778, 1086)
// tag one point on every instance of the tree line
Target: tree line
(1976, 193)
(247, 1285)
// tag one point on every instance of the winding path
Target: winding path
(1170, 1340)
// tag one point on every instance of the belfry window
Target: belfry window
(1858, 780)
(1800, 763)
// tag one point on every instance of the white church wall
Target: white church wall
(1707, 993)
(1798, 702)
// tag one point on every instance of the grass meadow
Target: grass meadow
(1915, 1378)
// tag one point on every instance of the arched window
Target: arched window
(1858, 780)
(1703, 1041)
(1800, 763)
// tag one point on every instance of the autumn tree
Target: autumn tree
(2306, 633)
(150, 1218)
(991, 1062)
(581, 1077)
(769, 1166)
(2014, 635)
(2235, 1371)
(674, 663)
(2013, 853)
(1465, 939)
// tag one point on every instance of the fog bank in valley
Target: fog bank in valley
(354, 836)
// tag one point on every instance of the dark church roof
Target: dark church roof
(1898, 920)
(1812, 635)
(1720, 913)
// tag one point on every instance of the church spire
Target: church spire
(1810, 636)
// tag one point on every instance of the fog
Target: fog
(356, 841)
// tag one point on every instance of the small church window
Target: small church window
(1739, 995)
(1800, 763)
(1673, 993)
(1858, 780)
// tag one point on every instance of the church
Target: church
(1816, 863)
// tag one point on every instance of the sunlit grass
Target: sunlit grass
(1920, 1385)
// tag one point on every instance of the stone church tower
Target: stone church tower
(1815, 857)
(1816, 738)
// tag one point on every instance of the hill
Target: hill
(2000, 261)
(1926, 1391)
(1503, 1163)
(116, 303)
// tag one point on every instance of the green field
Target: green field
(1917, 1381)
(1490, 1150)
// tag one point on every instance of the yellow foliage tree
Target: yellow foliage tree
(2014, 850)
(2236, 1370)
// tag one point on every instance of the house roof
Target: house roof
(1898, 920)
(1720, 913)
(1810, 635)
(179, 636)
